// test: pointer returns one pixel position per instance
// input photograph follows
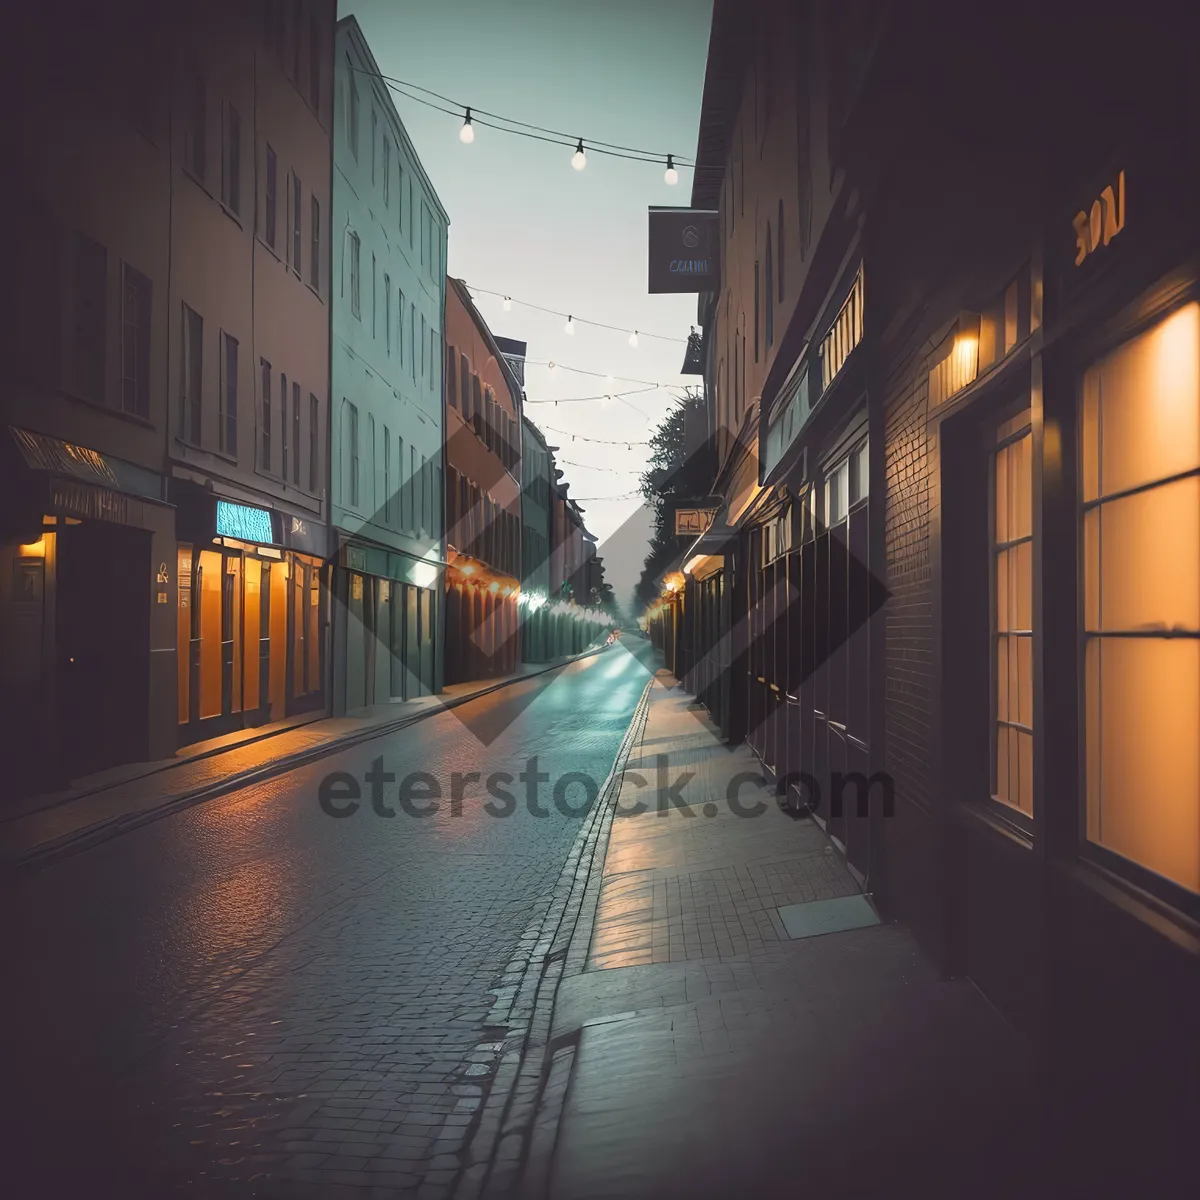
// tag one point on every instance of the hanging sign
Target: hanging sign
(684, 246)
(1102, 222)
(244, 523)
(691, 522)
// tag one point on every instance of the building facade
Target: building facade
(87, 630)
(537, 465)
(248, 361)
(386, 465)
(483, 497)
(930, 568)
(177, 171)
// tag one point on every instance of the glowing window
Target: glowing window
(1012, 614)
(1141, 562)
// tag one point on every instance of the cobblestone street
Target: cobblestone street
(256, 998)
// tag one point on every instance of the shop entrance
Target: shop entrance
(232, 639)
(102, 645)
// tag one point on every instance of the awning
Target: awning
(715, 539)
(52, 456)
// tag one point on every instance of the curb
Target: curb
(514, 1134)
(101, 831)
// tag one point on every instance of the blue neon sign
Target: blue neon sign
(244, 523)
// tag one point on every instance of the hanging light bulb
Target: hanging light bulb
(569, 327)
(466, 134)
(671, 175)
(551, 365)
(507, 304)
(633, 339)
(579, 158)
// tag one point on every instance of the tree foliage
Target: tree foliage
(670, 473)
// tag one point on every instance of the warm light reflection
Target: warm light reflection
(34, 549)
(1141, 429)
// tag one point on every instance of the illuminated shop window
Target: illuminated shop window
(1141, 560)
(1012, 614)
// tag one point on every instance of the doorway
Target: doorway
(102, 641)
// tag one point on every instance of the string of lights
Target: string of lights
(609, 380)
(589, 399)
(572, 320)
(525, 129)
(566, 462)
(599, 499)
(627, 443)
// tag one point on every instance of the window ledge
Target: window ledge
(985, 816)
(111, 410)
(1168, 921)
(232, 214)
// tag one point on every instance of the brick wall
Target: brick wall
(908, 616)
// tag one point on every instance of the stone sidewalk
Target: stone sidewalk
(722, 1048)
(124, 797)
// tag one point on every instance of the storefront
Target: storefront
(482, 621)
(251, 615)
(813, 663)
(386, 626)
(85, 632)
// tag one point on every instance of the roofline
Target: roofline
(489, 338)
(354, 31)
(728, 47)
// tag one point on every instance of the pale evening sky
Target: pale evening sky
(523, 222)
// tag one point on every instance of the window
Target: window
(387, 311)
(423, 368)
(195, 128)
(412, 339)
(296, 434)
(296, 223)
(314, 62)
(387, 476)
(411, 222)
(314, 442)
(451, 384)
(283, 426)
(400, 326)
(400, 196)
(387, 172)
(355, 289)
(374, 294)
(192, 375)
(297, 12)
(135, 342)
(374, 139)
(779, 252)
(314, 263)
(1012, 614)
(227, 408)
(271, 204)
(265, 423)
(90, 324)
(231, 160)
(400, 505)
(424, 231)
(756, 312)
(464, 380)
(426, 488)
(353, 437)
(352, 114)
(769, 332)
(412, 488)
(1141, 556)
(433, 359)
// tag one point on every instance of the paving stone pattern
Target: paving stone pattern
(697, 880)
(252, 998)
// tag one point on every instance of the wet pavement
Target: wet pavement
(720, 1043)
(251, 996)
